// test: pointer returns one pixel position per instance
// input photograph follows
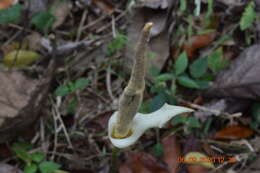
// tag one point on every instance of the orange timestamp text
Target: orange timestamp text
(207, 159)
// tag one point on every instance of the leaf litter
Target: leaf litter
(87, 57)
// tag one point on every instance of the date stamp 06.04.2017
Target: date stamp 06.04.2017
(207, 159)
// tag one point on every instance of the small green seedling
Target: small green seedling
(11, 14)
(117, 44)
(35, 162)
(71, 87)
(189, 123)
(248, 16)
(43, 20)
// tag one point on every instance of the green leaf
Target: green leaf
(183, 5)
(210, 8)
(43, 20)
(72, 105)
(157, 102)
(22, 146)
(118, 43)
(187, 82)
(11, 14)
(151, 55)
(179, 119)
(62, 90)
(255, 109)
(207, 125)
(154, 71)
(248, 16)
(165, 77)
(37, 157)
(216, 60)
(158, 150)
(193, 122)
(81, 83)
(203, 84)
(199, 67)
(22, 154)
(30, 168)
(181, 63)
(48, 167)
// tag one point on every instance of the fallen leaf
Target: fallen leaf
(20, 58)
(104, 5)
(197, 42)
(234, 132)
(22, 100)
(141, 162)
(60, 10)
(197, 158)
(172, 152)
(15, 93)
(241, 79)
(34, 41)
(7, 3)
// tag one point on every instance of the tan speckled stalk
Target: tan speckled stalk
(132, 96)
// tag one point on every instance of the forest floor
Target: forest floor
(65, 63)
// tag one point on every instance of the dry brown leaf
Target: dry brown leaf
(34, 41)
(60, 11)
(172, 152)
(141, 162)
(197, 42)
(104, 5)
(241, 79)
(7, 3)
(234, 132)
(15, 94)
(22, 101)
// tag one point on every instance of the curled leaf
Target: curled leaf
(197, 42)
(234, 132)
(20, 58)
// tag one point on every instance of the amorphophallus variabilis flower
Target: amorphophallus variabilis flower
(125, 126)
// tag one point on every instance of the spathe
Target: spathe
(143, 122)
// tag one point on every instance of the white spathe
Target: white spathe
(143, 122)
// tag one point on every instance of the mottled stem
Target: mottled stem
(132, 96)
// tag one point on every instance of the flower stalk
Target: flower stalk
(132, 96)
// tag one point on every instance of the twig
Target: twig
(94, 22)
(66, 48)
(113, 26)
(62, 126)
(108, 25)
(83, 19)
(108, 83)
(213, 111)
